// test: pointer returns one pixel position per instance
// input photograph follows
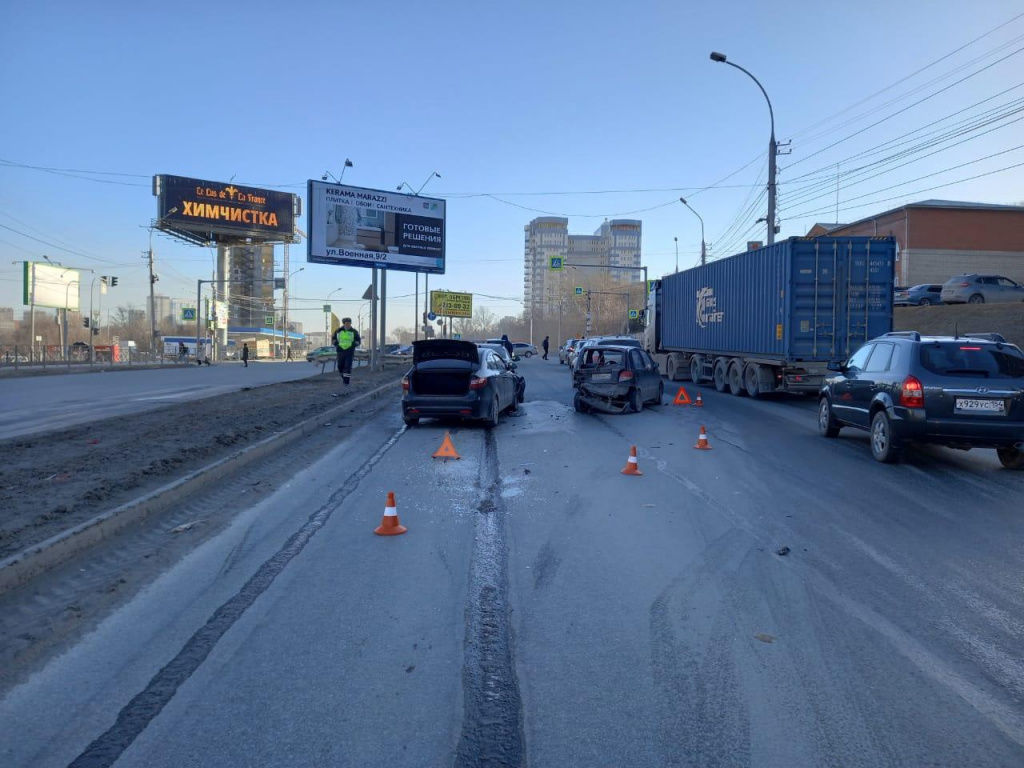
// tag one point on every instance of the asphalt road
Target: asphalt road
(545, 609)
(40, 403)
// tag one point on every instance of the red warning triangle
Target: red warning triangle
(682, 398)
(447, 449)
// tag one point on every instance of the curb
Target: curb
(19, 568)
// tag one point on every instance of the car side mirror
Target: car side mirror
(838, 367)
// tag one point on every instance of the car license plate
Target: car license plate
(969, 405)
(601, 377)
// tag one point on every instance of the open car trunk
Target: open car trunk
(443, 377)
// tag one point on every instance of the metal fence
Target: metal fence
(78, 356)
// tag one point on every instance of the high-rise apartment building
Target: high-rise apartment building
(616, 243)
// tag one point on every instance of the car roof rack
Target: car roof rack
(912, 335)
(987, 337)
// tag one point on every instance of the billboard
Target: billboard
(221, 211)
(357, 227)
(451, 304)
(45, 285)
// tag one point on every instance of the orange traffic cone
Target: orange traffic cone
(389, 525)
(632, 468)
(700, 401)
(702, 441)
(447, 449)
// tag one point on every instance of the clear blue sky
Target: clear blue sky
(505, 99)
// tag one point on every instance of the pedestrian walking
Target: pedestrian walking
(508, 346)
(245, 354)
(346, 340)
(545, 345)
(182, 352)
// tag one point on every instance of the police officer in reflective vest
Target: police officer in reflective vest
(346, 339)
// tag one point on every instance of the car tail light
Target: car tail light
(625, 375)
(477, 383)
(912, 393)
(405, 384)
(965, 285)
(971, 349)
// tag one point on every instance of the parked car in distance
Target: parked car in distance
(919, 296)
(615, 379)
(981, 289)
(403, 351)
(319, 354)
(566, 350)
(523, 349)
(959, 391)
(500, 351)
(457, 379)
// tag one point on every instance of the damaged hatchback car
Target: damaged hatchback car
(616, 379)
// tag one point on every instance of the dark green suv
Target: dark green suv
(959, 391)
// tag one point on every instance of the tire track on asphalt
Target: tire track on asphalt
(492, 727)
(133, 719)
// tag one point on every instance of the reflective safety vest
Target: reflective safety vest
(346, 338)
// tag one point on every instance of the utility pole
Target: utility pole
(152, 298)
(286, 276)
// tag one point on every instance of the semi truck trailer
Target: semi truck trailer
(771, 319)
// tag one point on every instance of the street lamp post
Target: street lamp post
(677, 252)
(287, 338)
(703, 247)
(772, 146)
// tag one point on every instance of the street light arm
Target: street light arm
(771, 112)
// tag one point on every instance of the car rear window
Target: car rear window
(962, 358)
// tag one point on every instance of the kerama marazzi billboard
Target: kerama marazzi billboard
(358, 227)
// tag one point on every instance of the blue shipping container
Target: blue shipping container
(800, 300)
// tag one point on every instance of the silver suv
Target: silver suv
(981, 289)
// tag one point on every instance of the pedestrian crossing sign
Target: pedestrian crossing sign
(188, 313)
(579, 290)
(634, 314)
(556, 263)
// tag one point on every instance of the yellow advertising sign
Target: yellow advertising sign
(451, 304)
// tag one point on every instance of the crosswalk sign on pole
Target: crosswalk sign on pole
(579, 290)
(556, 263)
(634, 314)
(188, 313)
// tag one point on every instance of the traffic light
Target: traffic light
(85, 321)
(113, 281)
(95, 331)
(103, 279)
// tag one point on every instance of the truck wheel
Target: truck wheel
(695, 370)
(671, 369)
(735, 375)
(721, 376)
(752, 378)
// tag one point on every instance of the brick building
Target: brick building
(937, 239)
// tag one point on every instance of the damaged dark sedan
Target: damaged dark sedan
(455, 379)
